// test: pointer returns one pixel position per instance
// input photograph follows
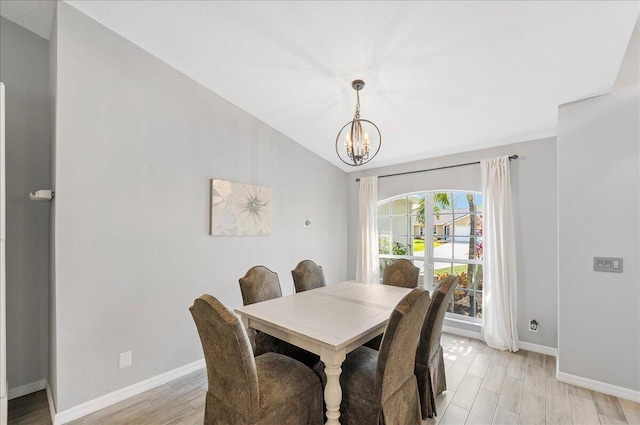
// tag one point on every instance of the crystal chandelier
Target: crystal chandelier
(359, 141)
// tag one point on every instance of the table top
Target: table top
(338, 316)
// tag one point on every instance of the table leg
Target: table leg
(332, 391)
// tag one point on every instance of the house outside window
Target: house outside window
(455, 247)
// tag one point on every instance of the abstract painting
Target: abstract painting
(240, 209)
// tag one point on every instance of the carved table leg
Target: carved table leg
(332, 391)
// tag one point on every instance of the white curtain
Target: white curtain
(367, 262)
(500, 284)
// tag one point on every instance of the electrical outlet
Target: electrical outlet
(124, 360)
(533, 325)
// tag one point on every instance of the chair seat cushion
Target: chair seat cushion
(282, 378)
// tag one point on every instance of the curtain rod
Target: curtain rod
(512, 157)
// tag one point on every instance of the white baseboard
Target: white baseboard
(26, 389)
(542, 349)
(4, 410)
(119, 395)
(601, 387)
(52, 404)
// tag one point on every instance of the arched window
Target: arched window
(442, 230)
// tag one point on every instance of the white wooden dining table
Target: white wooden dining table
(330, 321)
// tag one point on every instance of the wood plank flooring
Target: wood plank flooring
(31, 409)
(485, 386)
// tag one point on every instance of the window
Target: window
(455, 248)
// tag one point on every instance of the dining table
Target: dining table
(330, 321)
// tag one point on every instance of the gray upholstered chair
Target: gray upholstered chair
(307, 275)
(380, 387)
(401, 272)
(271, 389)
(261, 284)
(429, 357)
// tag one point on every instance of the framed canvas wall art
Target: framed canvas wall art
(239, 209)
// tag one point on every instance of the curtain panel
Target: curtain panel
(367, 261)
(500, 277)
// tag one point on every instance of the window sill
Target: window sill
(463, 328)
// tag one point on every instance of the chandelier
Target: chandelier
(359, 141)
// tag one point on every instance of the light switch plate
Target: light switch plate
(124, 360)
(607, 264)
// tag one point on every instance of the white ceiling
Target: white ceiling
(441, 77)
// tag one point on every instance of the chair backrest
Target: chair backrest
(401, 272)
(307, 275)
(231, 368)
(432, 327)
(259, 284)
(396, 358)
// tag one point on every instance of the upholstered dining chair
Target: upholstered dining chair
(429, 369)
(270, 389)
(401, 272)
(307, 275)
(380, 387)
(261, 284)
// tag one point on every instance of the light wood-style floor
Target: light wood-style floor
(485, 386)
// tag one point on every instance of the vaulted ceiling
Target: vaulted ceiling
(441, 77)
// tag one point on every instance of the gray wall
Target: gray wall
(136, 145)
(598, 192)
(24, 68)
(534, 193)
